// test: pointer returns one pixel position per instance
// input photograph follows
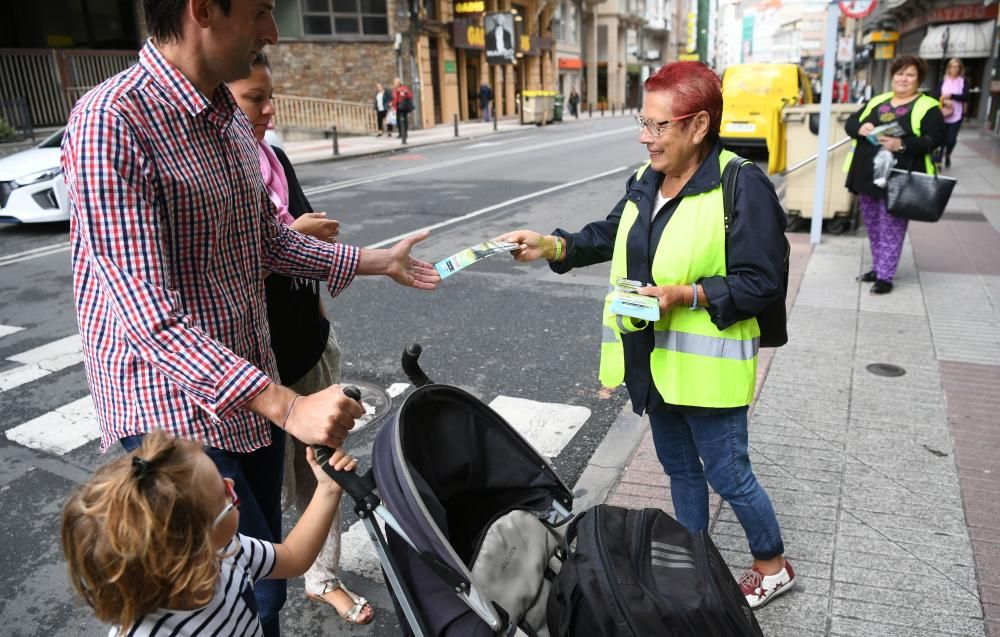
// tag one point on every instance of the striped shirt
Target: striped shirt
(232, 611)
(170, 228)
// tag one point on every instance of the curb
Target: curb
(385, 152)
(606, 466)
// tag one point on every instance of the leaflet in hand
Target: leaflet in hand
(467, 257)
(892, 129)
(627, 302)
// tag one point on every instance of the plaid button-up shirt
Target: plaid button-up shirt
(170, 228)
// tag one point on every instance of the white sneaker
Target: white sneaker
(759, 589)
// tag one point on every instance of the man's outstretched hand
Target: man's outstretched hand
(397, 264)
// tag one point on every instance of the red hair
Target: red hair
(694, 88)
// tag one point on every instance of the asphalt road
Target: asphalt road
(495, 329)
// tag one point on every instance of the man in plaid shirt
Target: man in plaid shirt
(171, 228)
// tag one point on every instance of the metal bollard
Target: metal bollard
(612, 109)
(456, 124)
(336, 145)
(494, 119)
(590, 109)
(602, 109)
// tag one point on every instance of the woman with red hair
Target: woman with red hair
(692, 370)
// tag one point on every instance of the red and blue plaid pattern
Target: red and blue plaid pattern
(171, 227)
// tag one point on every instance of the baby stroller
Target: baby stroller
(471, 512)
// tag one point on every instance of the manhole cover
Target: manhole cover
(885, 369)
(377, 403)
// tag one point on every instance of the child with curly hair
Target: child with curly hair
(152, 546)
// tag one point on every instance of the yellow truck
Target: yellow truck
(753, 97)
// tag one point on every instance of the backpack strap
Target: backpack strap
(728, 181)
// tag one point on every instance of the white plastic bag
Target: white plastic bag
(390, 117)
(883, 163)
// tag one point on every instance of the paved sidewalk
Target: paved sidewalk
(370, 145)
(885, 486)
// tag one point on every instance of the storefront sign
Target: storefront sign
(470, 6)
(570, 63)
(881, 36)
(885, 50)
(692, 30)
(963, 13)
(468, 33)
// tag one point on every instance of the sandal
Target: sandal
(354, 612)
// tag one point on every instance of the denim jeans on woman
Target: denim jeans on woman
(257, 477)
(712, 449)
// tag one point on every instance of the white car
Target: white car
(32, 188)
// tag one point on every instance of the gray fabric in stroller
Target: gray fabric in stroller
(449, 468)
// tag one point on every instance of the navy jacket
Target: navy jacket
(755, 258)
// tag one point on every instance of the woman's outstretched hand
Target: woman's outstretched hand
(533, 245)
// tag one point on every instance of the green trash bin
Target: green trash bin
(557, 110)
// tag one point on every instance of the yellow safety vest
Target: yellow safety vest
(693, 362)
(923, 104)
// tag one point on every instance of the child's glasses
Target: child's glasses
(234, 501)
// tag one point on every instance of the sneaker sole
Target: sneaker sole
(784, 588)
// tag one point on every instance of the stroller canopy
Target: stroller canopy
(447, 466)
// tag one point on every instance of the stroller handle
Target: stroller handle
(359, 487)
(411, 366)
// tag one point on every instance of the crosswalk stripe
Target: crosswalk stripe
(547, 426)
(7, 330)
(61, 430)
(41, 361)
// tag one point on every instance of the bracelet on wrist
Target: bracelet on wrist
(694, 298)
(558, 249)
(289, 412)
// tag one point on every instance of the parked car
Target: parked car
(32, 188)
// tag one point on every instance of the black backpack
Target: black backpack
(772, 320)
(640, 573)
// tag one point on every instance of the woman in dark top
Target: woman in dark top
(693, 370)
(305, 346)
(923, 130)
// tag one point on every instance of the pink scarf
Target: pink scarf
(274, 181)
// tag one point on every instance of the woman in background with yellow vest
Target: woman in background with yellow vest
(693, 370)
(920, 118)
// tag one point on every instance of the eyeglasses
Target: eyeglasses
(234, 501)
(656, 128)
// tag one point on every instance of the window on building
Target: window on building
(344, 17)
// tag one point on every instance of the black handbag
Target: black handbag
(918, 196)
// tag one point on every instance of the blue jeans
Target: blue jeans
(712, 449)
(257, 476)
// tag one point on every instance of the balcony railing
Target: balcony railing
(320, 114)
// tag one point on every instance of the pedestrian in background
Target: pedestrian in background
(485, 97)
(383, 101)
(954, 94)
(402, 103)
(304, 343)
(694, 370)
(169, 301)
(574, 104)
(920, 118)
(152, 545)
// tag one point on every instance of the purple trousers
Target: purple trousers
(886, 234)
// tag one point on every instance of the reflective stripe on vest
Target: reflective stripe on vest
(923, 104)
(731, 348)
(693, 362)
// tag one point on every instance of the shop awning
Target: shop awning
(958, 40)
